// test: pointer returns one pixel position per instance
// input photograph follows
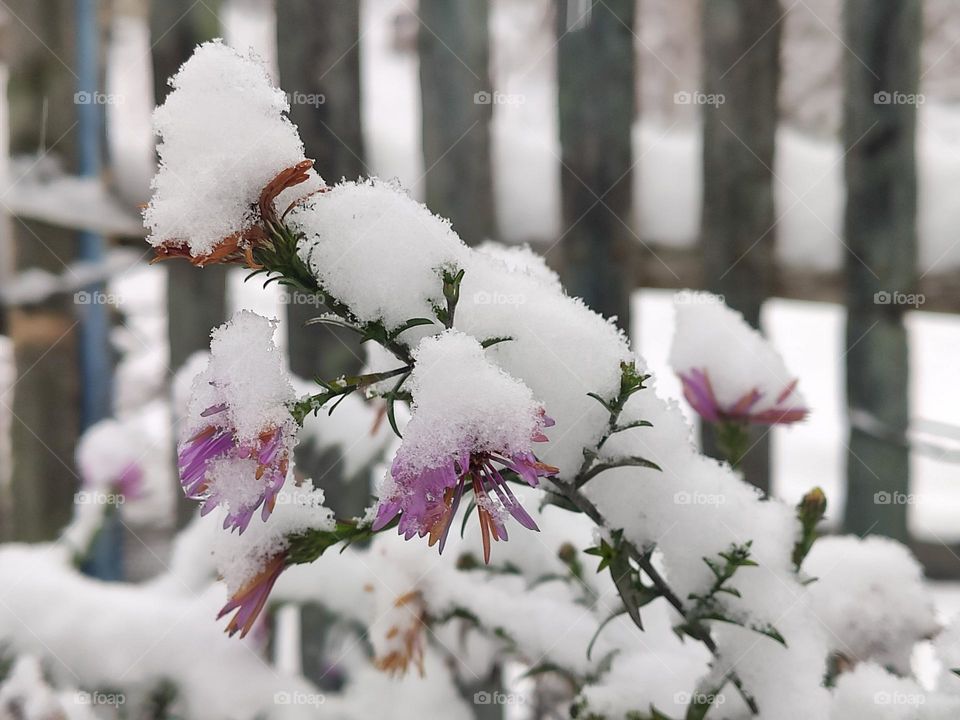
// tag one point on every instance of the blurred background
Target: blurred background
(800, 158)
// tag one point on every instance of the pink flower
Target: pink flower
(250, 599)
(427, 499)
(699, 393)
(198, 456)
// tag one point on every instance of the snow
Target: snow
(130, 82)
(809, 335)
(224, 136)
(870, 596)
(34, 285)
(247, 374)
(25, 694)
(378, 251)
(714, 339)
(549, 331)
(447, 421)
(869, 691)
(239, 558)
(375, 248)
(390, 93)
(151, 635)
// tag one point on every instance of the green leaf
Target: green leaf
(600, 628)
(490, 342)
(633, 424)
(412, 323)
(331, 319)
(601, 401)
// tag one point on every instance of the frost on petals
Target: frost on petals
(228, 153)
(729, 371)
(472, 430)
(240, 433)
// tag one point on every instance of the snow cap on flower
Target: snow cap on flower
(377, 250)
(239, 432)
(225, 137)
(110, 458)
(728, 369)
(471, 423)
(246, 373)
(462, 401)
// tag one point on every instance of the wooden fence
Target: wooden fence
(601, 259)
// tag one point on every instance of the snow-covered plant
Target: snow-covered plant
(240, 429)
(731, 376)
(524, 407)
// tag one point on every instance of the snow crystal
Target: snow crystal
(246, 374)
(715, 339)
(870, 594)
(374, 248)
(501, 416)
(224, 136)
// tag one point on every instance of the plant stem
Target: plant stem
(642, 559)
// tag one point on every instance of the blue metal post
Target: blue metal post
(96, 369)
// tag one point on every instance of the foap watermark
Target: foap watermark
(112, 699)
(896, 498)
(97, 98)
(298, 697)
(899, 698)
(685, 97)
(498, 698)
(96, 297)
(698, 698)
(98, 497)
(300, 498)
(296, 297)
(886, 297)
(495, 97)
(898, 98)
(698, 498)
(301, 98)
(690, 297)
(498, 298)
